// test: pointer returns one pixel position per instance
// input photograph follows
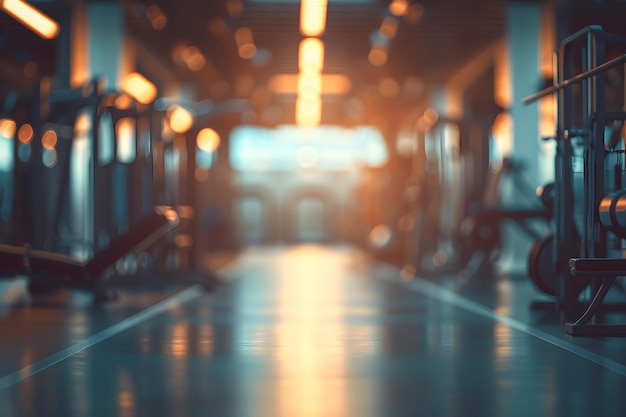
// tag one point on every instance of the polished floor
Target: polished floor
(306, 331)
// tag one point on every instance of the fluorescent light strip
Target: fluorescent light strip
(32, 18)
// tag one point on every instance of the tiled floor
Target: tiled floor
(307, 331)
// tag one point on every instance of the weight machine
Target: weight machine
(94, 215)
(585, 252)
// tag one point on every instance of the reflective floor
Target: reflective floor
(307, 331)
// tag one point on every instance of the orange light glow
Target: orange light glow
(245, 43)
(398, 7)
(7, 128)
(247, 51)
(413, 13)
(313, 17)
(502, 131)
(180, 119)
(331, 84)
(308, 111)
(25, 134)
(234, 7)
(502, 92)
(32, 18)
(193, 58)
(389, 28)
(378, 55)
(82, 125)
(49, 139)
(311, 55)
(137, 86)
(208, 140)
(431, 116)
(389, 87)
(311, 334)
(123, 101)
(157, 19)
(310, 83)
(243, 36)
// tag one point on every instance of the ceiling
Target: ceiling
(432, 47)
(427, 49)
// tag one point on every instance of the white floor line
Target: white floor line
(145, 315)
(437, 292)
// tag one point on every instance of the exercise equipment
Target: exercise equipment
(588, 204)
(61, 270)
(88, 216)
(482, 227)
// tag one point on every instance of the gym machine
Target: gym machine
(87, 216)
(585, 255)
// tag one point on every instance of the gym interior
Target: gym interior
(312, 208)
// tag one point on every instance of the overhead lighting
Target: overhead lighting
(138, 87)
(398, 7)
(31, 17)
(245, 43)
(309, 82)
(313, 17)
(308, 111)
(311, 54)
(389, 28)
(7, 128)
(331, 84)
(378, 55)
(208, 139)
(180, 119)
(158, 20)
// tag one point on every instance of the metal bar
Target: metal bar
(576, 79)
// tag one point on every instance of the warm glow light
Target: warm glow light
(311, 55)
(180, 119)
(308, 111)
(137, 86)
(25, 134)
(7, 128)
(377, 55)
(336, 84)
(310, 83)
(208, 140)
(243, 36)
(193, 58)
(49, 139)
(431, 116)
(389, 87)
(331, 84)
(502, 131)
(157, 19)
(245, 43)
(234, 7)
(398, 7)
(32, 18)
(247, 51)
(313, 17)
(413, 13)
(123, 101)
(389, 28)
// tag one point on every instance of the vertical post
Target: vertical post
(523, 38)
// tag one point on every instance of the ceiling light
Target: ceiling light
(138, 87)
(208, 140)
(398, 7)
(313, 17)
(157, 19)
(32, 18)
(308, 111)
(311, 54)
